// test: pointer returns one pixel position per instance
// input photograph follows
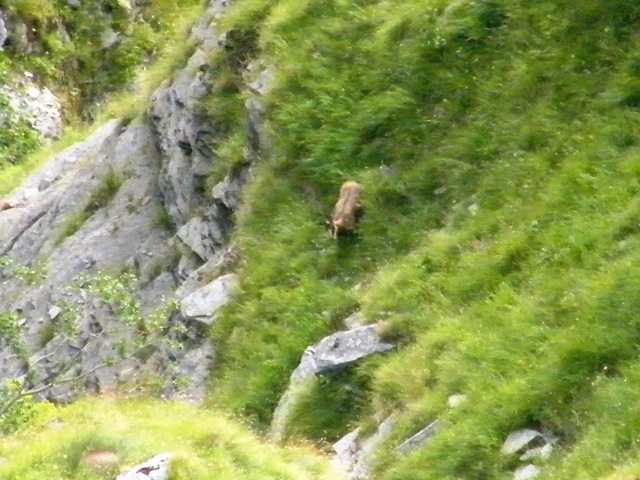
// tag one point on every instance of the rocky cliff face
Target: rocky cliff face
(110, 206)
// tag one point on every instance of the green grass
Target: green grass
(205, 444)
(501, 253)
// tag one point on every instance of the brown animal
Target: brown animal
(348, 211)
(7, 204)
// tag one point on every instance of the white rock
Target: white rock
(518, 440)
(345, 449)
(418, 439)
(526, 473)
(157, 468)
(54, 312)
(203, 303)
(542, 453)
(456, 400)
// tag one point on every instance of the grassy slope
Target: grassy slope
(502, 253)
(205, 444)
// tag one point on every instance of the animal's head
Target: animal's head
(334, 226)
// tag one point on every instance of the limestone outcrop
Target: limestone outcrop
(129, 201)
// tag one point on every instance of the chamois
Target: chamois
(348, 211)
(6, 205)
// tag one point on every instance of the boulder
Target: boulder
(203, 303)
(332, 353)
(343, 348)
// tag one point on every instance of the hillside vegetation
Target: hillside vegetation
(205, 445)
(501, 252)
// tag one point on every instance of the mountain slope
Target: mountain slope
(500, 251)
(497, 143)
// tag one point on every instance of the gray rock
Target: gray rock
(212, 268)
(118, 233)
(456, 400)
(263, 82)
(526, 472)
(229, 190)
(418, 439)
(519, 439)
(204, 237)
(162, 162)
(54, 312)
(354, 321)
(192, 374)
(17, 32)
(35, 104)
(188, 141)
(543, 453)
(331, 353)
(109, 38)
(156, 468)
(344, 348)
(354, 455)
(185, 139)
(346, 448)
(4, 33)
(204, 302)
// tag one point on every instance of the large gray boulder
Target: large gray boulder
(332, 353)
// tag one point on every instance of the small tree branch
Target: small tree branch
(21, 393)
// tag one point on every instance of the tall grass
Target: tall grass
(500, 253)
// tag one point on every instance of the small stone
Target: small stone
(456, 400)
(526, 473)
(157, 468)
(54, 312)
(518, 440)
(542, 453)
(418, 439)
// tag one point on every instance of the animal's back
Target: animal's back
(349, 193)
